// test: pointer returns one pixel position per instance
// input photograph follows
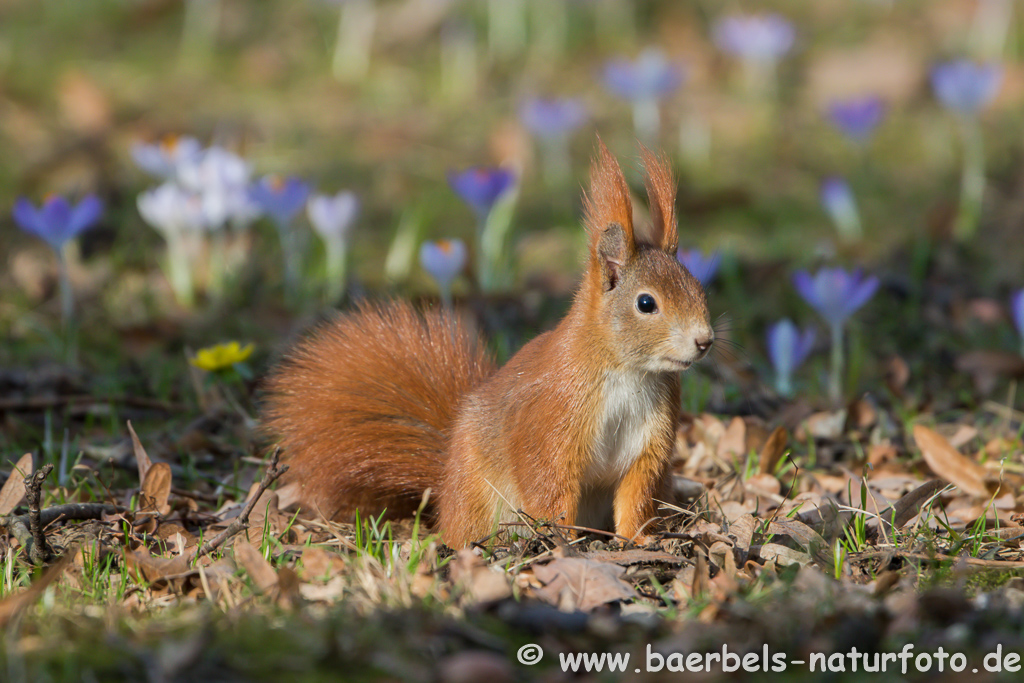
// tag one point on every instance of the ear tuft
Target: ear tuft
(661, 195)
(608, 201)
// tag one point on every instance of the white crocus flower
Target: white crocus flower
(332, 219)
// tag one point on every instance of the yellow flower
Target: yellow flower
(221, 356)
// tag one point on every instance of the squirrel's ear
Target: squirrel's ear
(661, 195)
(613, 250)
(609, 212)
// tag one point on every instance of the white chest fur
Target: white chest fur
(628, 418)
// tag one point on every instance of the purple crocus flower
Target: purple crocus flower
(165, 158)
(755, 38)
(281, 198)
(1017, 311)
(552, 119)
(650, 77)
(788, 347)
(835, 293)
(701, 267)
(481, 187)
(444, 260)
(57, 221)
(857, 118)
(966, 87)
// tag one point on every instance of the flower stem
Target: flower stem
(835, 381)
(784, 384)
(335, 269)
(217, 264)
(67, 301)
(972, 184)
(178, 271)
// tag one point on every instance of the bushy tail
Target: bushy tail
(364, 406)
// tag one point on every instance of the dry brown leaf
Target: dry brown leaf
(907, 507)
(743, 529)
(811, 541)
(826, 426)
(897, 374)
(764, 485)
(987, 366)
(734, 442)
(151, 569)
(782, 555)
(13, 491)
(701, 585)
(141, 457)
(772, 451)
(480, 583)
(572, 583)
(319, 564)
(156, 488)
(951, 465)
(250, 558)
(288, 594)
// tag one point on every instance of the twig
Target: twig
(241, 522)
(18, 525)
(39, 552)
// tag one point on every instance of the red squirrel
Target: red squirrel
(378, 405)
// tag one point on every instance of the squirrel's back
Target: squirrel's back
(363, 407)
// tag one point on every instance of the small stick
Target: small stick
(40, 552)
(241, 522)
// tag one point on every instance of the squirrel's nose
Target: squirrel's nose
(704, 343)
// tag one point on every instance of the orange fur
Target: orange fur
(661, 195)
(577, 427)
(363, 407)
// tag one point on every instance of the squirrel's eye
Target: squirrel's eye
(645, 303)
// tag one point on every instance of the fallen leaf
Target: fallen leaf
(986, 367)
(156, 488)
(576, 584)
(733, 443)
(907, 507)
(13, 491)
(897, 374)
(772, 451)
(141, 457)
(151, 569)
(781, 555)
(480, 583)
(951, 465)
(816, 546)
(262, 573)
(824, 426)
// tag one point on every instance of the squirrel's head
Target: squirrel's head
(653, 312)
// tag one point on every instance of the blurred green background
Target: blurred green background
(83, 81)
